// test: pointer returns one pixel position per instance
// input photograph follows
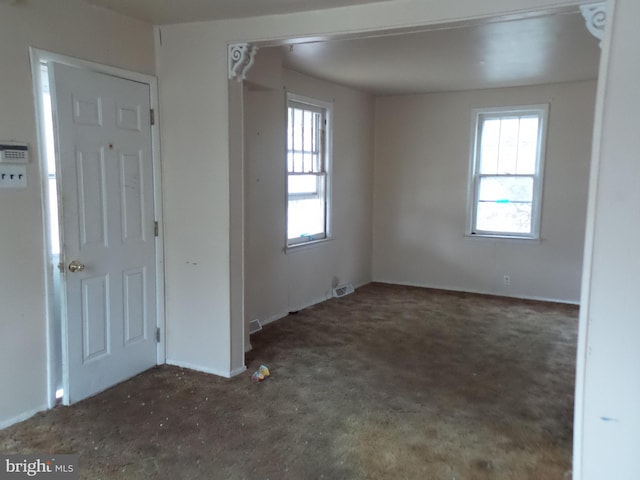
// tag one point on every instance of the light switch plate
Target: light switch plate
(13, 176)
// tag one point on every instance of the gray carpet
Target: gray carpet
(387, 383)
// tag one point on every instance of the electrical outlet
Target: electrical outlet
(13, 176)
(507, 280)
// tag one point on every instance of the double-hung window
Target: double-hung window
(506, 173)
(307, 170)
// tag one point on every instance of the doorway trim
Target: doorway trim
(37, 57)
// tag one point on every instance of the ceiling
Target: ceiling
(549, 48)
(164, 12)
(546, 49)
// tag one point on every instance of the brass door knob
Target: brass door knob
(76, 266)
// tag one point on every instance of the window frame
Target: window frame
(478, 114)
(325, 108)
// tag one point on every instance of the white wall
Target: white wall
(608, 382)
(266, 273)
(72, 28)
(422, 163)
(348, 256)
(278, 282)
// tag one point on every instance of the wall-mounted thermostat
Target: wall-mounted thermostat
(12, 152)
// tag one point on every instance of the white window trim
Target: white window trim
(298, 244)
(536, 208)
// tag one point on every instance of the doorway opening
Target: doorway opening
(310, 59)
(101, 204)
(52, 222)
(483, 56)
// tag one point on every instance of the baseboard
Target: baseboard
(361, 284)
(281, 315)
(481, 292)
(238, 371)
(273, 318)
(212, 371)
(313, 302)
(22, 417)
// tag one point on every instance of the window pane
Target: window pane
(508, 148)
(297, 129)
(506, 189)
(509, 145)
(489, 141)
(528, 146)
(53, 216)
(308, 130)
(306, 218)
(303, 184)
(295, 162)
(290, 132)
(303, 142)
(504, 217)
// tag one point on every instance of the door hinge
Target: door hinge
(156, 229)
(152, 116)
(158, 334)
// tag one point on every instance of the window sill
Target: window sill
(297, 247)
(504, 238)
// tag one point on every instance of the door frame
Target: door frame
(37, 56)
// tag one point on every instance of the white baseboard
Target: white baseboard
(273, 318)
(313, 302)
(281, 315)
(238, 371)
(22, 417)
(213, 371)
(327, 296)
(480, 292)
(361, 284)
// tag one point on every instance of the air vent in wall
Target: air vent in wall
(342, 290)
(254, 326)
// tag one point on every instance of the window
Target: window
(307, 170)
(506, 179)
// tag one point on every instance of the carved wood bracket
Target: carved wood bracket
(595, 16)
(241, 56)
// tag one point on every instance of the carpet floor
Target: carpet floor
(387, 383)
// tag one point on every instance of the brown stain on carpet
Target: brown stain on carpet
(388, 383)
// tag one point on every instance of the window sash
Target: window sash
(305, 144)
(309, 194)
(317, 204)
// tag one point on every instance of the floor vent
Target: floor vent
(342, 290)
(254, 326)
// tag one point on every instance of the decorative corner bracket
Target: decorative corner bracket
(595, 16)
(241, 56)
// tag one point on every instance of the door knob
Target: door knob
(76, 266)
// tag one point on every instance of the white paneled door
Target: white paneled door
(103, 139)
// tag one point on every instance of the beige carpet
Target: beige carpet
(388, 383)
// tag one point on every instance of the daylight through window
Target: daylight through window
(307, 173)
(507, 171)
